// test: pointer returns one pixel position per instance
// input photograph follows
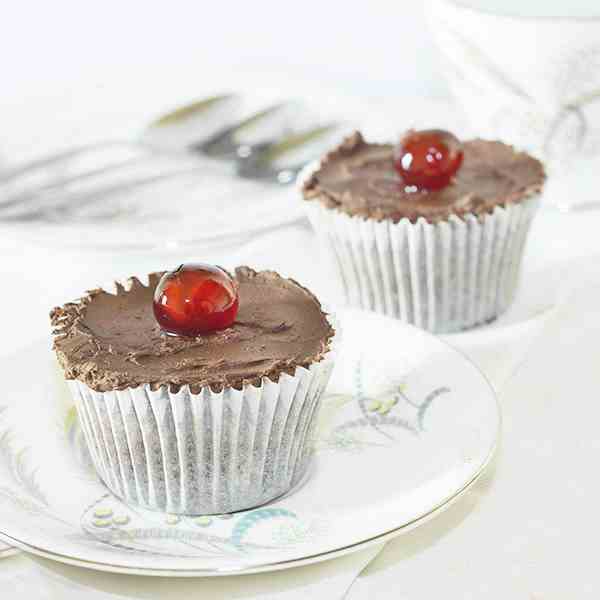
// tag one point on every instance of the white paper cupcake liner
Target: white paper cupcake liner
(205, 453)
(443, 277)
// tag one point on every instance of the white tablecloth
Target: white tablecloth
(528, 530)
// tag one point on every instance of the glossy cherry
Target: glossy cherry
(195, 299)
(428, 159)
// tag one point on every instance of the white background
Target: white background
(67, 65)
(74, 71)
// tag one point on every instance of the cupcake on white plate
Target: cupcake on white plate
(430, 230)
(198, 392)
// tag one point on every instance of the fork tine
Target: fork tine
(258, 164)
(13, 173)
(189, 110)
(222, 144)
(22, 199)
(294, 141)
(78, 200)
(283, 176)
(252, 164)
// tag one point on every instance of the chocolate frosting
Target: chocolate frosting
(112, 341)
(359, 178)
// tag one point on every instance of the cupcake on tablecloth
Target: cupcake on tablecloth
(430, 230)
(198, 392)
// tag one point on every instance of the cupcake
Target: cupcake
(198, 392)
(430, 231)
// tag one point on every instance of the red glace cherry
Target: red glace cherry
(428, 159)
(195, 299)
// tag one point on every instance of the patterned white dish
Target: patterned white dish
(407, 425)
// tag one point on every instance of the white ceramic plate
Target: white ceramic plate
(408, 424)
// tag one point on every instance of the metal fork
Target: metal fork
(222, 153)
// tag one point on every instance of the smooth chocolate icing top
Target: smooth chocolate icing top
(359, 178)
(112, 341)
